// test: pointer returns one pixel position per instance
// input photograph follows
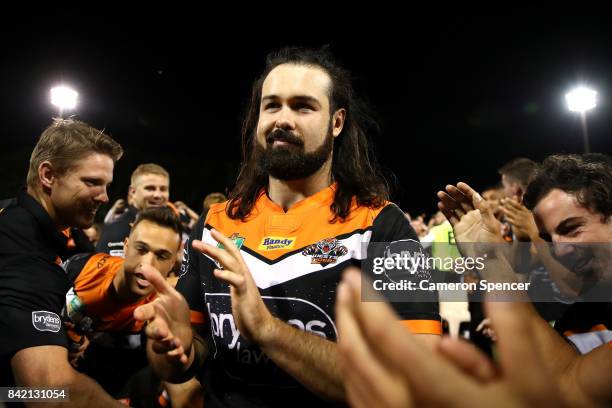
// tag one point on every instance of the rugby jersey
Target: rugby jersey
(296, 258)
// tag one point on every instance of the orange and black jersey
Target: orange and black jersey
(116, 349)
(92, 285)
(296, 258)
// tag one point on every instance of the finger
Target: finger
(157, 330)
(464, 201)
(519, 360)
(145, 312)
(177, 353)
(509, 212)
(232, 278)
(227, 243)
(222, 256)
(450, 203)
(156, 279)
(512, 220)
(468, 359)
(483, 323)
(368, 381)
(450, 215)
(167, 343)
(397, 348)
(469, 192)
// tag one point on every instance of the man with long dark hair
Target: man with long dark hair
(308, 197)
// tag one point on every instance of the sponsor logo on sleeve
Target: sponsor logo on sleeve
(46, 321)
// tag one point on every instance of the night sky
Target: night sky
(456, 97)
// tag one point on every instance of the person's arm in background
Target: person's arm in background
(116, 210)
(193, 216)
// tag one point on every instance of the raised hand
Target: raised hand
(471, 217)
(251, 315)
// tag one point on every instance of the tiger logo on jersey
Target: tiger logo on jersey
(325, 252)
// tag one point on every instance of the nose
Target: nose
(102, 197)
(148, 258)
(285, 119)
(562, 247)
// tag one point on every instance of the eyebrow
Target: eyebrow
(566, 223)
(299, 98)
(156, 251)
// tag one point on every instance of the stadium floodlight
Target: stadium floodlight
(64, 98)
(581, 100)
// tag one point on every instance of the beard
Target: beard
(290, 162)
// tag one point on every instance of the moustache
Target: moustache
(283, 135)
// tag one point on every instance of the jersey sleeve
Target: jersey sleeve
(392, 234)
(31, 300)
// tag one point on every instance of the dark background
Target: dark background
(457, 97)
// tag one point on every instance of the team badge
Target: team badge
(325, 252)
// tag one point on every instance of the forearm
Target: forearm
(48, 367)
(568, 283)
(556, 353)
(82, 391)
(310, 359)
(85, 392)
(187, 394)
(585, 382)
(523, 262)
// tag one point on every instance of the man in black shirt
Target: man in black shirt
(149, 187)
(70, 169)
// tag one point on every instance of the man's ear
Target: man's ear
(46, 174)
(338, 121)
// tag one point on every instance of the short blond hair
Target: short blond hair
(65, 142)
(148, 168)
(213, 198)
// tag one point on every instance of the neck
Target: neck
(286, 193)
(120, 288)
(45, 201)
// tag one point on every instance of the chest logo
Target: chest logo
(325, 252)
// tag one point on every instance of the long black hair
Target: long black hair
(354, 167)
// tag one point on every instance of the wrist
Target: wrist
(267, 331)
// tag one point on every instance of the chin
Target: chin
(82, 223)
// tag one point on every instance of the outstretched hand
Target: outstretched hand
(167, 317)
